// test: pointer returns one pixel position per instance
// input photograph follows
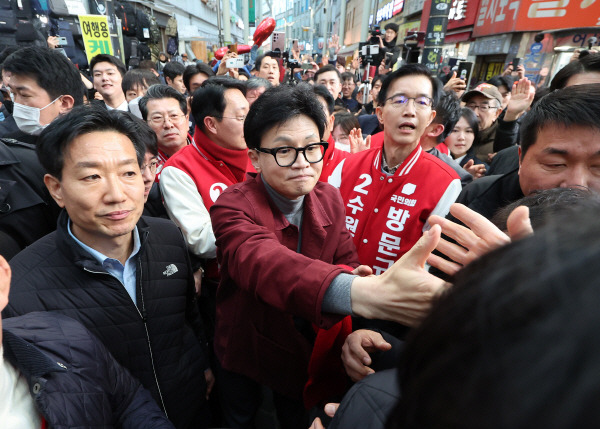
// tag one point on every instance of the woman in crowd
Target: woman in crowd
(461, 139)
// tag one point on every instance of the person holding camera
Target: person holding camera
(387, 45)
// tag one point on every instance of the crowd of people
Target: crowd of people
(191, 245)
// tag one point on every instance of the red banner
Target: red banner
(505, 16)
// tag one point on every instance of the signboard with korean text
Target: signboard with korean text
(503, 16)
(462, 13)
(96, 37)
(435, 34)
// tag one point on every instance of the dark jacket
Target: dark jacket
(505, 161)
(369, 403)
(267, 288)
(27, 212)
(500, 135)
(490, 193)
(159, 341)
(471, 156)
(73, 379)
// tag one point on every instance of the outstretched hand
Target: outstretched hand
(476, 170)
(403, 293)
(356, 349)
(357, 143)
(521, 98)
(455, 84)
(477, 238)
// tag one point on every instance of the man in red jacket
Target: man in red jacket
(192, 180)
(390, 192)
(290, 272)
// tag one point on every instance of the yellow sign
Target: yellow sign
(96, 37)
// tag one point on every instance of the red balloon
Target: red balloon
(244, 49)
(263, 31)
(221, 52)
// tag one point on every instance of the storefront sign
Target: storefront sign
(96, 38)
(491, 45)
(392, 8)
(403, 29)
(504, 16)
(413, 6)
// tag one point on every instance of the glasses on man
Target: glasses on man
(240, 118)
(481, 107)
(421, 102)
(152, 166)
(159, 120)
(285, 156)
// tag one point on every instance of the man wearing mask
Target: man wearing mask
(45, 85)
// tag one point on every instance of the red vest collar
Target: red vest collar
(236, 160)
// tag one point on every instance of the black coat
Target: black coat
(27, 212)
(73, 379)
(369, 403)
(160, 341)
(489, 194)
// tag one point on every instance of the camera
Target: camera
(375, 30)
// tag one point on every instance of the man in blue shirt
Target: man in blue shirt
(126, 278)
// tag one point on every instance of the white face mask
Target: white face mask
(28, 118)
(342, 146)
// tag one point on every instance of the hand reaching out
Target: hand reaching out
(356, 349)
(522, 92)
(357, 143)
(477, 238)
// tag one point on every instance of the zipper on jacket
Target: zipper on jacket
(148, 338)
(144, 319)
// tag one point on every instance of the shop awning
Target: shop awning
(458, 36)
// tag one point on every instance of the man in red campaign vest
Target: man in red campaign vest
(390, 191)
(192, 180)
(333, 156)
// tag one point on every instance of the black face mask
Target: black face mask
(7, 102)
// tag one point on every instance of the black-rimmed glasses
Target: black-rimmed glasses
(285, 156)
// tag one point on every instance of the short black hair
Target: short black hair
(147, 65)
(348, 76)
(277, 106)
(157, 92)
(51, 70)
(568, 107)
(347, 121)
(590, 63)
(55, 139)
(6, 52)
(193, 70)
(173, 69)
(105, 58)
(138, 78)
(147, 136)
(547, 204)
(323, 92)
(447, 113)
(409, 70)
(392, 26)
(515, 330)
(499, 81)
(379, 77)
(260, 58)
(326, 69)
(209, 99)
